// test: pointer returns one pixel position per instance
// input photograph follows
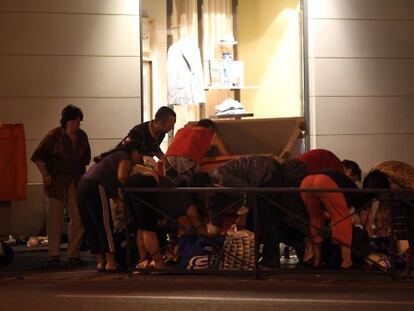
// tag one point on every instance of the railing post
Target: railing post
(392, 236)
(127, 236)
(253, 202)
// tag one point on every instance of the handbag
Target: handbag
(238, 250)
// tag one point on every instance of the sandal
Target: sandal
(143, 264)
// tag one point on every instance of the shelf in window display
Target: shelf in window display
(225, 87)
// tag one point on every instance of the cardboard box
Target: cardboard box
(281, 137)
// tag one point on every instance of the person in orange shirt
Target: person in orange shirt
(188, 149)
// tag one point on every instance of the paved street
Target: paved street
(205, 293)
(31, 283)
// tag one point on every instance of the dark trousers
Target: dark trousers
(275, 229)
(95, 214)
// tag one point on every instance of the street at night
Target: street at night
(208, 293)
(30, 282)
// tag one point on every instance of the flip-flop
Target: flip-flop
(143, 264)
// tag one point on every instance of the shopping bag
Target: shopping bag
(13, 165)
(238, 250)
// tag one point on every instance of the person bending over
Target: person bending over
(99, 184)
(188, 149)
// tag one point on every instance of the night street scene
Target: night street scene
(206, 155)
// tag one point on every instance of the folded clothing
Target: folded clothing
(229, 104)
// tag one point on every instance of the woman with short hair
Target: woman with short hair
(62, 157)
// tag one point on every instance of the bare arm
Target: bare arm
(221, 148)
(124, 168)
(45, 175)
(364, 216)
(160, 155)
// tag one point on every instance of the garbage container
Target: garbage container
(13, 180)
(6, 253)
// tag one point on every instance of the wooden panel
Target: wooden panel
(103, 117)
(362, 77)
(362, 9)
(69, 34)
(260, 136)
(72, 6)
(356, 38)
(368, 150)
(364, 115)
(33, 76)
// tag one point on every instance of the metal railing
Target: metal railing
(253, 193)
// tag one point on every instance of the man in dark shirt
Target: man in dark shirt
(152, 133)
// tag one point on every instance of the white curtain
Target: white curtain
(184, 20)
(185, 25)
(217, 25)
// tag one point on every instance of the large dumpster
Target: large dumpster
(13, 179)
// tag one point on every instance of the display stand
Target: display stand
(237, 116)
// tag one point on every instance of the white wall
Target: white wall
(361, 57)
(58, 52)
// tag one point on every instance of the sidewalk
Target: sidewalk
(33, 264)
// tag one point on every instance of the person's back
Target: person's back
(320, 158)
(253, 171)
(191, 142)
(188, 149)
(400, 174)
(106, 171)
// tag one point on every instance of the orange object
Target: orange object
(13, 164)
(191, 142)
(334, 203)
(320, 158)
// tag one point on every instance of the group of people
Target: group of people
(63, 155)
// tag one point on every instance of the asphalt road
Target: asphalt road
(31, 283)
(182, 293)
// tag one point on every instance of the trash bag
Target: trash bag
(197, 253)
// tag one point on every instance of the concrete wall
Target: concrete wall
(59, 52)
(361, 79)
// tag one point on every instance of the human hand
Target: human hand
(47, 180)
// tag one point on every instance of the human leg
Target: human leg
(335, 204)
(95, 215)
(195, 220)
(153, 247)
(143, 253)
(55, 223)
(315, 211)
(76, 230)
